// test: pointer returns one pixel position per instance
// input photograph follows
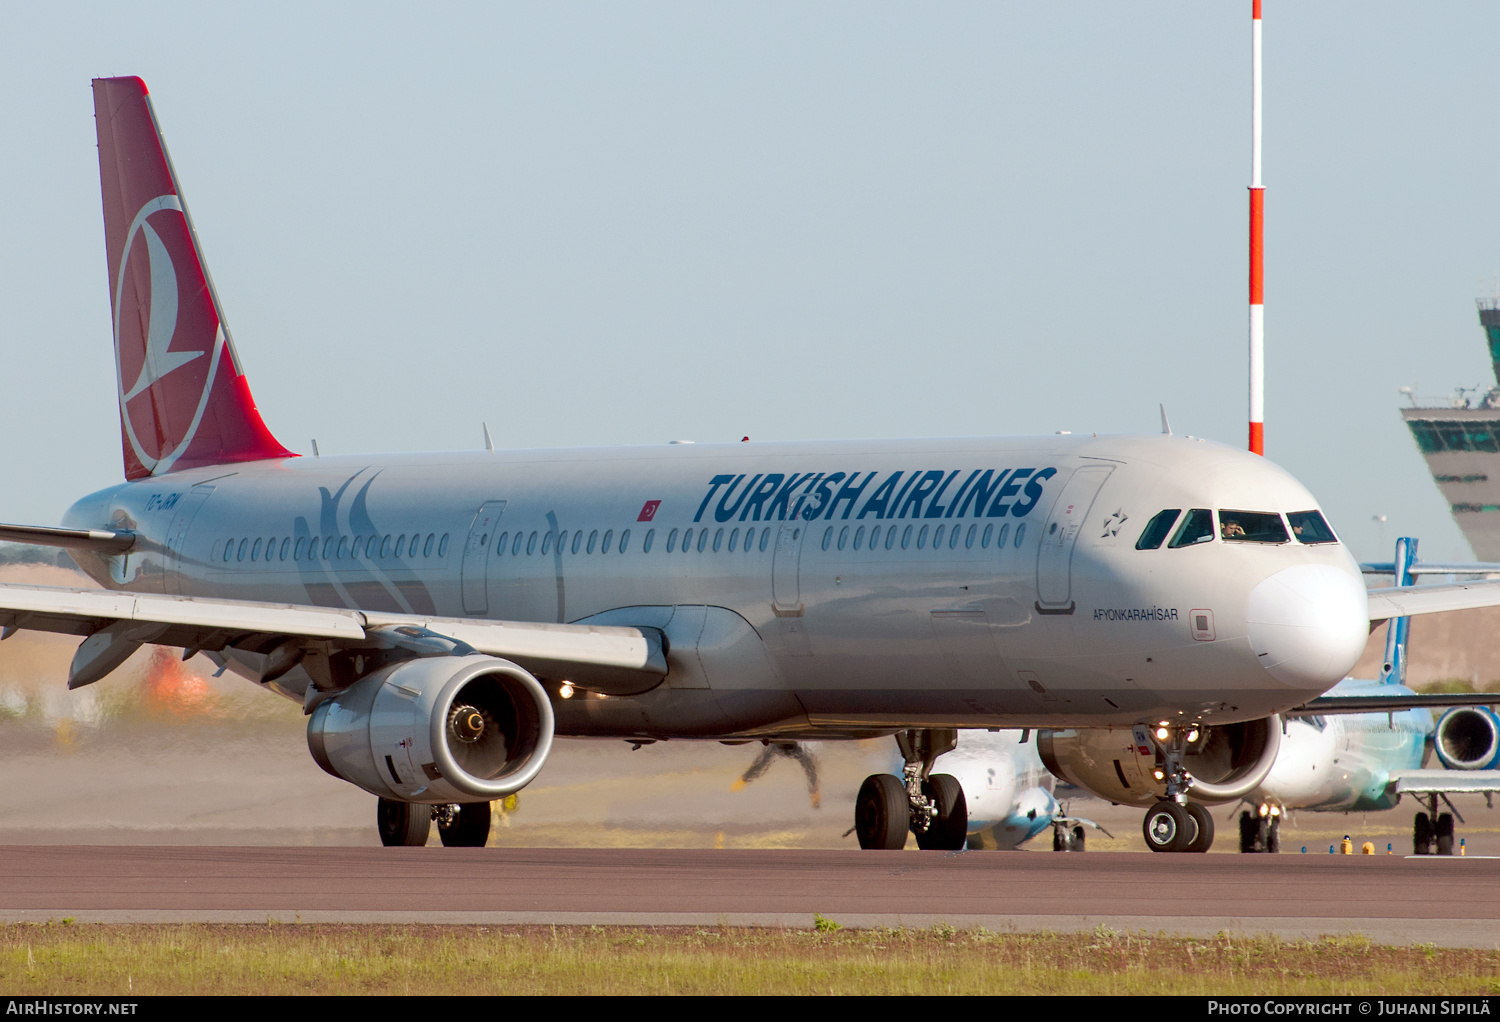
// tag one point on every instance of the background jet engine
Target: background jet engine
(1225, 761)
(438, 730)
(1468, 738)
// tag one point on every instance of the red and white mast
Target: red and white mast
(1257, 251)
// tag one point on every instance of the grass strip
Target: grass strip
(122, 960)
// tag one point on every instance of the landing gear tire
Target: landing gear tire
(403, 823)
(1421, 835)
(882, 813)
(1249, 833)
(470, 827)
(949, 830)
(1078, 840)
(1167, 827)
(1273, 835)
(1443, 834)
(1204, 839)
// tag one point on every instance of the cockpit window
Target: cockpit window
(1157, 529)
(1197, 527)
(1309, 527)
(1252, 527)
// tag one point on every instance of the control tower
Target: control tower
(1461, 442)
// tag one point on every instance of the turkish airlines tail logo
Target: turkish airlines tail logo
(183, 401)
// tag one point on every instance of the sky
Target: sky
(637, 222)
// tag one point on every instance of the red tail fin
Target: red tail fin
(183, 400)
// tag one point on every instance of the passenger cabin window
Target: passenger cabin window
(1155, 533)
(1252, 527)
(1197, 527)
(1309, 527)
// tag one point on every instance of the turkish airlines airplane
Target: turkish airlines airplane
(441, 617)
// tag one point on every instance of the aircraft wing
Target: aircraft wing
(1447, 782)
(1403, 601)
(116, 624)
(1325, 706)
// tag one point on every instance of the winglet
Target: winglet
(1166, 427)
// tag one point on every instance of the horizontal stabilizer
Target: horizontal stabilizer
(102, 541)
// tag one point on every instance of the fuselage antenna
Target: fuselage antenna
(1166, 427)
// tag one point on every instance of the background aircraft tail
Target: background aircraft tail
(184, 402)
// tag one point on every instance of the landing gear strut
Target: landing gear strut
(1433, 828)
(931, 806)
(1174, 824)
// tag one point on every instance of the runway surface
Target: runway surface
(1453, 902)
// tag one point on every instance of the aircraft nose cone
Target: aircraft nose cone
(1308, 625)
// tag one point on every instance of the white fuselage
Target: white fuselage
(834, 587)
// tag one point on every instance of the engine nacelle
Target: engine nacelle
(437, 730)
(1225, 763)
(1468, 738)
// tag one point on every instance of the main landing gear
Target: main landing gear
(1261, 831)
(465, 825)
(1174, 824)
(931, 806)
(1432, 832)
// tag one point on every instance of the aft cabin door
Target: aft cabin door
(476, 555)
(1054, 562)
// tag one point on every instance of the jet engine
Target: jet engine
(1468, 738)
(437, 730)
(1223, 761)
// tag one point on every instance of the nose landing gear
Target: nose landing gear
(1433, 828)
(1261, 831)
(1174, 824)
(931, 806)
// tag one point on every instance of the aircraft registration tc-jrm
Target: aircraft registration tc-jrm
(441, 617)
